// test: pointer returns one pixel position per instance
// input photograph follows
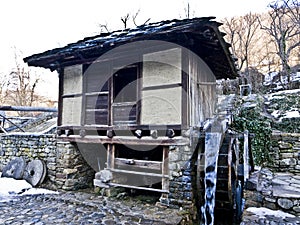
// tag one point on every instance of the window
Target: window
(125, 85)
(125, 96)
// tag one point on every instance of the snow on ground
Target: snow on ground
(269, 80)
(293, 111)
(291, 114)
(280, 94)
(10, 187)
(275, 114)
(38, 191)
(262, 212)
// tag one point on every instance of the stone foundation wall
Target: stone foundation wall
(66, 168)
(182, 182)
(285, 150)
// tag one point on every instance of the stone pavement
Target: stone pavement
(83, 208)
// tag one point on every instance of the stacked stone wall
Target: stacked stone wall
(274, 190)
(66, 168)
(285, 150)
(182, 180)
(277, 187)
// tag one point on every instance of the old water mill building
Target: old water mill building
(140, 105)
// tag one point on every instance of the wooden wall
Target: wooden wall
(165, 99)
(202, 86)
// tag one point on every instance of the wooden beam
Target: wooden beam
(144, 164)
(139, 188)
(27, 109)
(139, 173)
(120, 127)
(165, 169)
(163, 141)
(60, 94)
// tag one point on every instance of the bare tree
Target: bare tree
(188, 6)
(125, 20)
(129, 18)
(3, 88)
(134, 17)
(103, 28)
(240, 34)
(284, 29)
(21, 83)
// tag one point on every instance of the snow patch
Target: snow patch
(291, 114)
(269, 77)
(276, 114)
(262, 212)
(39, 191)
(276, 95)
(10, 187)
(279, 81)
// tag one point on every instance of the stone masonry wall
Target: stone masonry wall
(274, 190)
(66, 169)
(278, 186)
(285, 149)
(182, 178)
(72, 172)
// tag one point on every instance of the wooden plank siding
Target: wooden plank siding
(185, 95)
(132, 172)
(202, 86)
(96, 94)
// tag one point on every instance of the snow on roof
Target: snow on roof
(201, 35)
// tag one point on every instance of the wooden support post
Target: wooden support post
(110, 156)
(246, 156)
(165, 171)
(110, 164)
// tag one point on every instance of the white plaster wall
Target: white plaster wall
(71, 112)
(73, 80)
(161, 105)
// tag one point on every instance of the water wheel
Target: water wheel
(228, 190)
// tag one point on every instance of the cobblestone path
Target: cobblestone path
(82, 208)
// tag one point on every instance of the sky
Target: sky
(34, 26)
